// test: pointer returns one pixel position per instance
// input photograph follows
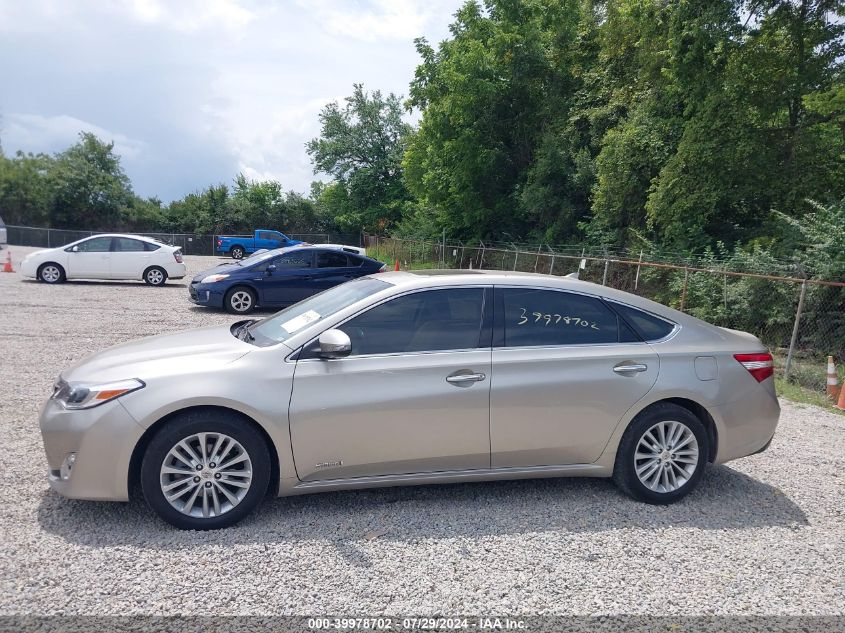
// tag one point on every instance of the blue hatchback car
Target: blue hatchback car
(278, 278)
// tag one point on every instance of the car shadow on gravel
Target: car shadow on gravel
(726, 499)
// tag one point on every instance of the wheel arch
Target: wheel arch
(159, 266)
(134, 474)
(47, 263)
(698, 410)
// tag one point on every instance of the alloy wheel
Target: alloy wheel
(241, 301)
(50, 274)
(666, 457)
(206, 475)
(155, 277)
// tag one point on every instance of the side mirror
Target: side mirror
(334, 344)
(75, 249)
(271, 269)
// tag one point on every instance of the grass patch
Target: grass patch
(797, 393)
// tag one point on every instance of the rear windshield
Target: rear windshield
(284, 324)
(649, 327)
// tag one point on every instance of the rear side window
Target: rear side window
(548, 317)
(149, 246)
(331, 259)
(649, 327)
(426, 321)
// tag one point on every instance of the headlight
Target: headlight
(79, 395)
(213, 279)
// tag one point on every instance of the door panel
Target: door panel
(91, 261)
(128, 258)
(413, 396)
(560, 405)
(380, 415)
(562, 377)
(289, 283)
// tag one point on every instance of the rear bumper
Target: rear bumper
(747, 425)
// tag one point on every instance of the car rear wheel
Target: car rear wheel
(662, 455)
(155, 276)
(51, 273)
(237, 252)
(240, 300)
(205, 470)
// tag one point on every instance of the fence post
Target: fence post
(481, 260)
(552, 266)
(537, 261)
(637, 277)
(443, 252)
(604, 277)
(684, 291)
(794, 338)
(48, 238)
(515, 258)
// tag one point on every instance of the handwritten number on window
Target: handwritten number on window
(567, 320)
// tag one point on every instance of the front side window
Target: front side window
(426, 321)
(289, 321)
(127, 245)
(547, 317)
(95, 245)
(331, 259)
(300, 259)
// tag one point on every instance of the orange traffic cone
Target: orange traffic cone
(395, 264)
(7, 267)
(832, 381)
(841, 404)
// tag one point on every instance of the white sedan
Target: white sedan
(110, 256)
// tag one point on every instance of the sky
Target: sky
(193, 92)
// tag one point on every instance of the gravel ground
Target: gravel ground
(763, 535)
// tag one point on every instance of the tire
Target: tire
(155, 276)
(217, 496)
(670, 464)
(237, 252)
(240, 300)
(51, 273)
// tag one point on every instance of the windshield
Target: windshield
(284, 324)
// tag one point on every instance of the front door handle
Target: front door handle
(630, 368)
(464, 379)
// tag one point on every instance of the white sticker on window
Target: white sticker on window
(297, 323)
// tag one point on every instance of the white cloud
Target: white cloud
(36, 131)
(193, 91)
(382, 19)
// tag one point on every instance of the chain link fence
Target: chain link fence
(801, 333)
(190, 243)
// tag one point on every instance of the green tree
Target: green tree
(361, 145)
(90, 190)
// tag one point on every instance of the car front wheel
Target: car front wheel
(205, 470)
(240, 301)
(51, 273)
(155, 276)
(662, 455)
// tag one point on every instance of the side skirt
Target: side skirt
(288, 487)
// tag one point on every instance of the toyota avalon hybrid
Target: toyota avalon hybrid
(411, 378)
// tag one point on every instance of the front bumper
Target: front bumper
(103, 439)
(205, 295)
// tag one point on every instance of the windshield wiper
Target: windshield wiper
(243, 332)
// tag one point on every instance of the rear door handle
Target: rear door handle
(461, 379)
(630, 368)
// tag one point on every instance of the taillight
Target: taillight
(219, 242)
(177, 255)
(761, 366)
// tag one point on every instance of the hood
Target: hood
(163, 355)
(220, 269)
(38, 252)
